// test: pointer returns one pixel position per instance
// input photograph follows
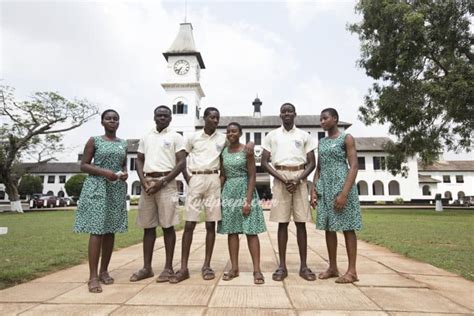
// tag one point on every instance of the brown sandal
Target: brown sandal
(207, 273)
(307, 274)
(258, 278)
(230, 275)
(179, 276)
(280, 274)
(105, 278)
(141, 275)
(165, 275)
(94, 285)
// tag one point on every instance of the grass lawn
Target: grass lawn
(443, 239)
(38, 243)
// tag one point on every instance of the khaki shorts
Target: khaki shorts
(159, 209)
(204, 192)
(285, 205)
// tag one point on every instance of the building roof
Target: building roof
(268, 121)
(52, 167)
(371, 143)
(450, 165)
(426, 179)
(184, 44)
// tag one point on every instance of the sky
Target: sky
(111, 54)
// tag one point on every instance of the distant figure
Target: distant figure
(161, 157)
(102, 209)
(335, 194)
(292, 155)
(241, 210)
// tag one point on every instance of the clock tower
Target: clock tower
(183, 89)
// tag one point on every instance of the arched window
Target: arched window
(180, 186)
(461, 195)
(50, 193)
(61, 194)
(426, 190)
(362, 188)
(180, 108)
(377, 188)
(448, 195)
(393, 188)
(136, 188)
(2, 195)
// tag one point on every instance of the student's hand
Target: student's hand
(146, 185)
(291, 186)
(124, 176)
(246, 209)
(314, 198)
(110, 175)
(340, 202)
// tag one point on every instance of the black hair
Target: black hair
(162, 107)
(107, 111)
(208, 110)
(332, 112)
(236, 125)
(288, 103)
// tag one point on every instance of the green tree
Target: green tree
(419, 53)
(74, 185)
(29, 185)
(34, 127)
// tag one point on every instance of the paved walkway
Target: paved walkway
(389, 285)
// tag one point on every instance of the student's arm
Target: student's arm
(252, 180)
(222, 172)
(268, 168)
(124, 175)
(314, 193)
(351, 155)
(88, 167)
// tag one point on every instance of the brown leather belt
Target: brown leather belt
(157, 174)
(290, 168)
(205, 172)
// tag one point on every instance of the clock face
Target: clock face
(181, 67)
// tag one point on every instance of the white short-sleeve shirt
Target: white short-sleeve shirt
(204, 150)
(288, 148)
(160, 150)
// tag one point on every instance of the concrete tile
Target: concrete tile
(370, 267)
(409, 266)
(387, 280)
(456, 289)
(159, 310)
(7, 309)
(341, 313)
(35, 292)
(329, 296)
(412, 300)
(249, 312)
(169, 294)
(252, 297)
(111, 294)
(71, 309)
(423, 314)
(246, 279)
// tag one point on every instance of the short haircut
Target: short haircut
(208, 111)
(332, 112)
(162, 107)
(107, 111)
(236, 125)
(288, 103)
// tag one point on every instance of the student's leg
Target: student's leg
(95, 244)
(351, 248)
(281, 272)
(149, 237)
(186, 243)
(207, 272)
(254, 248)
(233, 244)
(331, 244)
(302, 239)
(169, 236)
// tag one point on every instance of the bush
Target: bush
(398, 200)
(380, 203)
(134, 200)
(29, 185)
(74, 185)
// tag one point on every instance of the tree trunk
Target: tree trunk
(12, 190)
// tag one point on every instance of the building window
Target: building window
(2, 195)
(61, 194)
(379, 163)
(50, 193)
(197, 112)
(377, 188)
(180, 108)
(362, 188)
(180, 132)
(257, 137)
(446, 179)
(132, 164)
(136, 188)
(266, 133)
(62, 179)
(247, 137)
(42, 179)
(361, 161)
(393, 188)
(321, 135)
(460, 179)
(426, 190)
(448, 195)
(51, 179)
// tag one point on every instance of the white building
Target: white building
(184, 94)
